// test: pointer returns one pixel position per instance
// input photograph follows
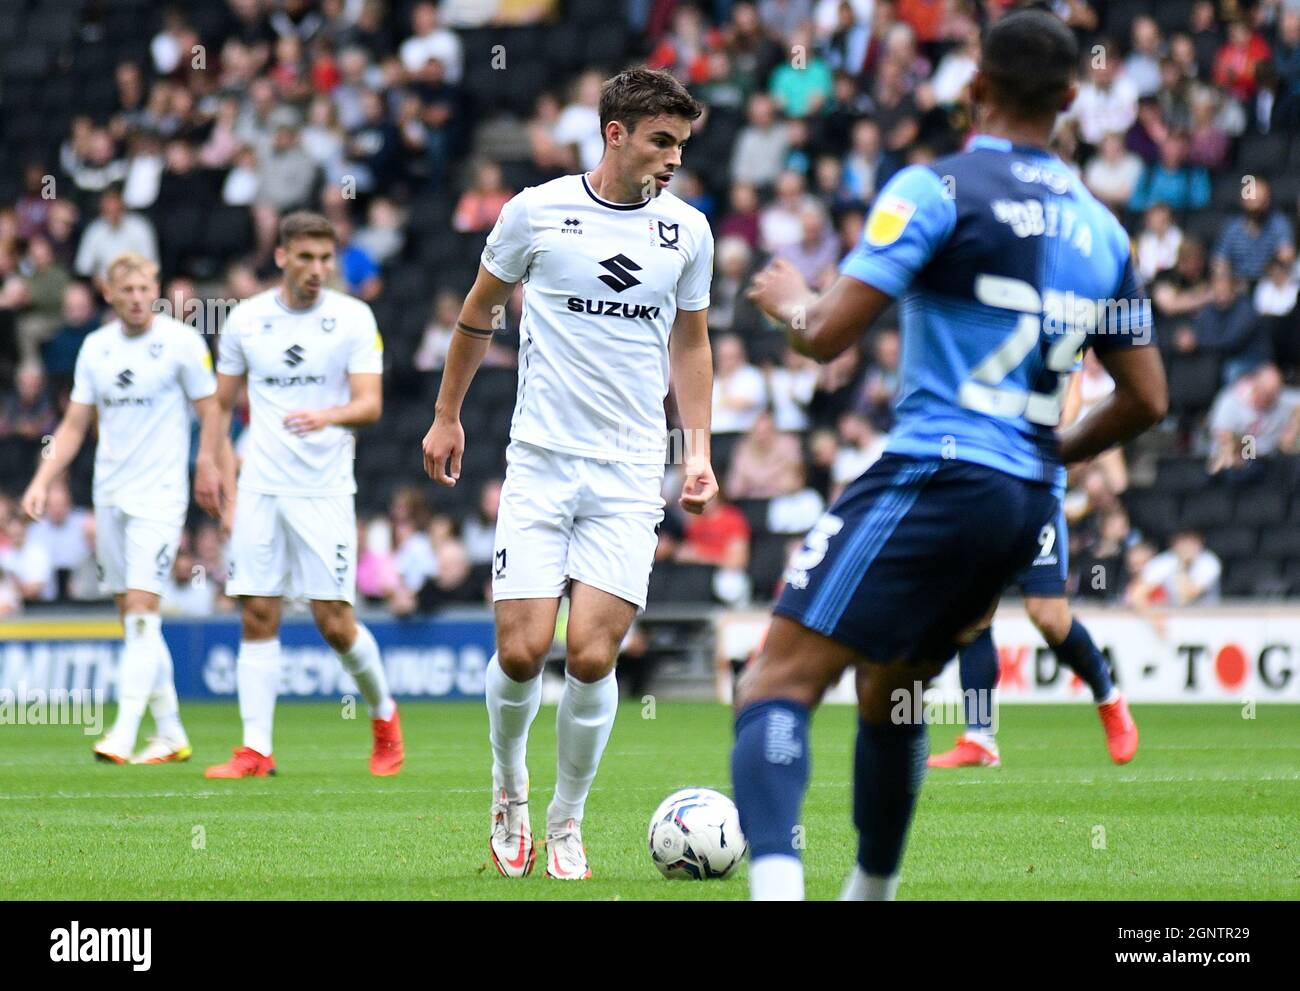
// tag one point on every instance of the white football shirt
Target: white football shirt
(141, 387)
(299, 360)
(602, 285)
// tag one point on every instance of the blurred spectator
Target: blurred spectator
(80, 317)
(1275, 293)
(1142, 64)
(897, 113)
(384, 233)
(430, 40)
(1235, 62)
(1101, 566)
(374, 146)
(323, 138)
(1157, 245)
(802, 85)
(286, 178)
(578, 126)
(361, 274)
(739, 392)
(1257, 235)
(1227, 326)
(28, 562)
(718, 536)
(480, 204)
(1172, 180)
(28, 413)
(956, 69)
(762, 463)
(1107, 99)
(761, 146)
(550, 156)
(684, 49)
(33, 207)
(797, 508)
(454, 583)
(742, 219)
(376, 569)
(478, 532)
(816, 254)
(860, 448)
(188, 592)
(436, 340)
(241, 184)
(46, 284)
(222, 144)
(882, 381)
(1253, 418)
(1113, 175)
(144, 171)
(780, 223)
(91, 159)
(728, 309)
(61, 533)
(862, 161)
(1207, 140)
(1187, 573)
(1185, 288)
(791, 388)
(113, 232)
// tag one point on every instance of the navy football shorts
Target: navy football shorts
(912, 554)
(1045, 576)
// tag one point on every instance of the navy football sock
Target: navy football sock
(979, 674)
(769, 774)
(888, 769)
(1078, 653)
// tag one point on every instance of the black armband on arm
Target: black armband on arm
(473, 331)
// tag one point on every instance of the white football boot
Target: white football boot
(161, 750)
(511, 840)
(566, 857)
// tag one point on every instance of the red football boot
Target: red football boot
(386, 757)
(967, 753)
(246, 763)
(1121, 731)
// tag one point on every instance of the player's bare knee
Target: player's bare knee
(259, 618)
(1051, 616)
(137, 600)
(336, 624)
(591, 662)
(522, 657)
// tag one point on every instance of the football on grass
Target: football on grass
(695, 835)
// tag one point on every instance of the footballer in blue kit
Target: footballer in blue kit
(1004, 267)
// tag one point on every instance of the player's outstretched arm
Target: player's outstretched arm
(55, 458)
(690, 359)
(817, 326)
(214, 468)
(480, 317)
(1140, 401)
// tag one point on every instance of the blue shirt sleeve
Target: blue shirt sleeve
(1127, 321)
(912, 218)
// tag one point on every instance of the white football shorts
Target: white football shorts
(132, 552)
(297, 546)
(568, 517)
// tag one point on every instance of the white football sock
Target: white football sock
(776, 878)
(163, 703)
(135, 678)
(583, 722)
(257, 673)
(984, 738)
(1111, 696)
(863, 887)
(363, 662)
(512, 706)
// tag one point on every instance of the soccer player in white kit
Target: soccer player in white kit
(616, 276)
(138, 373)
(313, 360)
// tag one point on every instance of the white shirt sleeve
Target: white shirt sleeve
(196, 369)
(230, 351)
(366, 355)
(509, 248)
(697, 276)
(83, 386)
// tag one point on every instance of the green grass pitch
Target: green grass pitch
(1207, 810)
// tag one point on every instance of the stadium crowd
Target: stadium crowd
(210, 120)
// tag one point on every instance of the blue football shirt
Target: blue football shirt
(1005, 267)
